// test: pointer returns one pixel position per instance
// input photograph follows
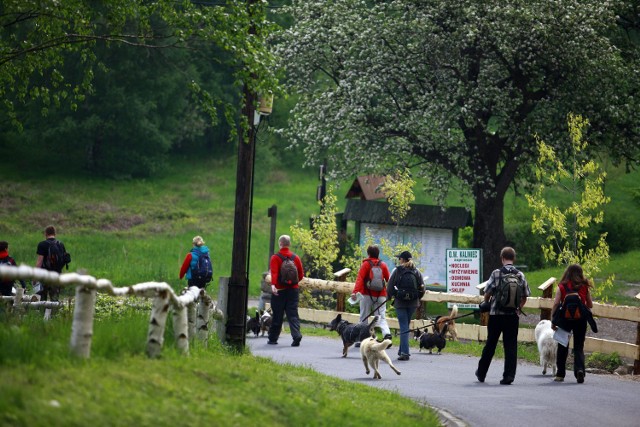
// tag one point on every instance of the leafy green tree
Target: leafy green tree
(566, 227)
(456, 90)
(398, 189)
(320, 243)
(38, 37)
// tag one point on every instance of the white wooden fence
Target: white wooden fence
(478, 332)
(192, 309)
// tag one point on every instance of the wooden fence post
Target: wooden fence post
(202, 323)
(547, 292)
(181, 328)
(82, 326)
(159, 312)
(341, 276)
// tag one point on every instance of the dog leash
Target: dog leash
(431, 324)
(376, 309)
(453, 318)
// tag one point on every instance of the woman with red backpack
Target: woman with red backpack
(570, 312)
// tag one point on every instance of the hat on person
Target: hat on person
(404, 255)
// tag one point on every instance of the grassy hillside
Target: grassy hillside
(139, 230)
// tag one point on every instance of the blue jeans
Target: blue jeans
(404, 317)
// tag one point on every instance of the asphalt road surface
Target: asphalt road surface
(447, 383)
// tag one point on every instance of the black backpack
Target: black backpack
(572, 305)
(203, 270)
(57, 257)
(407, 286)
(288, 275)
(508, 291)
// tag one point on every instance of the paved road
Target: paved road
(447, 382)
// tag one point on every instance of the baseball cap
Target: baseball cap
(404, 255)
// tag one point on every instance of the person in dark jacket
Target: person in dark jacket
(6, 286)
(51, 292)
(405, 307)
(573, 280)
(503, 322)
(191, 261)
(285, 296)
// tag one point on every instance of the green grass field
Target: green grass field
(133, 231)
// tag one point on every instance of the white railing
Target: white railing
(192, 309)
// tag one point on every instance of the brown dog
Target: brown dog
(450, 320)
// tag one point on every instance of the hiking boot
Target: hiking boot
(272, 342)
(403, 357)
(580, 377)
(356, 345)
(296, 343)
(481, 379)
(558, 379)
(506, 381)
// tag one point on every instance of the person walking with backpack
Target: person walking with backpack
(6, 285)
(573, 285)
(506, 292)
(197, 265)
(286, 272)
(371, 284)
(52, 256)
(406, 286)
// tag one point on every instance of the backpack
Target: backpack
(57, 257)
(203, 270)
(572, 304)
(508, 292)
(407, 286)
(288, 271)
(376, 278)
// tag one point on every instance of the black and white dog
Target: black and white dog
(253, 324)
(352, 332)
(430, 340)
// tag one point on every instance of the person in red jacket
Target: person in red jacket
(286, 292)
(6, 285)
(374, 298)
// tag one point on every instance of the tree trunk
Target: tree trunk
(181, 329)
(488, 231)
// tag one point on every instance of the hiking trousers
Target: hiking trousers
(286, 302)
(507, 325)
(367, 304)
(579, 328)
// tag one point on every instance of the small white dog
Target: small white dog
(372, 352)
(547, 346)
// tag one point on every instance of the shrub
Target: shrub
(608, 362)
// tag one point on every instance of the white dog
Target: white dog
(372, 352)
(547, 346)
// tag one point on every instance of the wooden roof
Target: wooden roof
(418, 216)
(364, 187)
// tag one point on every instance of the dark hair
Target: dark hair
(508, 253)
(373, 251)
(50, 231)
(575, 275)
(4, 246)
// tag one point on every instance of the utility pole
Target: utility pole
(238, 293)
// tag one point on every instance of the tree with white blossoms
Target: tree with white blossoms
(455, 90)
(566, 227)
